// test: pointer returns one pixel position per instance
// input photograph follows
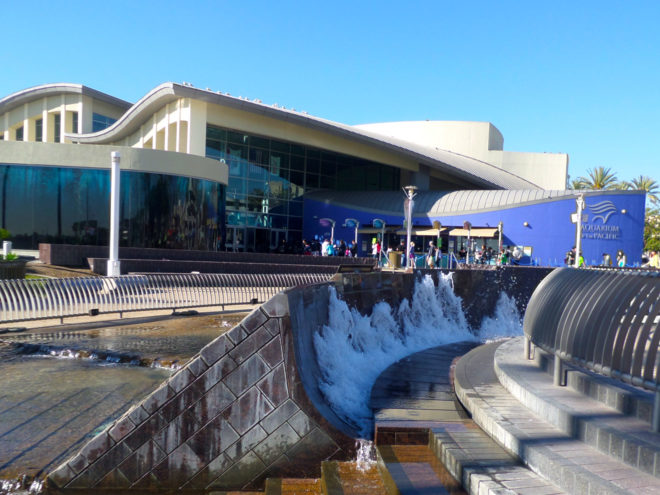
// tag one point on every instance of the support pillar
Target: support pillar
(655, 424)
(559, 372)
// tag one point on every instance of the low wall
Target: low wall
(77, 255)
(99, 266)
(248, 406)
(10, 270)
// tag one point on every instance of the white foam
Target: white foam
(353, 350)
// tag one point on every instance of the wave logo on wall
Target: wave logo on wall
(603, 210)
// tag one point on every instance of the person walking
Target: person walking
(621, 259)
(654, 260)
(431, 255)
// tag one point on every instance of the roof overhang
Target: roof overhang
(19, 98)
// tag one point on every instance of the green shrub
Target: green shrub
(4, 234)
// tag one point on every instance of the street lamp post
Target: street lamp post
(578, 236)
(408, 209)
(467, 226)
(353, 222)
(329, 221)
(113, 269)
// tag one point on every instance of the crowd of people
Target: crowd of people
(433, 255)
(327, 248)
(621, 259)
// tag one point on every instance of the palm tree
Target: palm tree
(576, 184)
(644, 183)
(599, 178)
(623, 185)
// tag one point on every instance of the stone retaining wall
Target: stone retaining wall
(236, 414)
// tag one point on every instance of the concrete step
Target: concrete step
(293, 486)
(346, 478)
(414, 469)
(613, 419)
(572, 465)
(481, 465)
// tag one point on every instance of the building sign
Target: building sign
(600, 230)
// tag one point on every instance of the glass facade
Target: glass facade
(72, 206)
(100, 122)
(267, 179)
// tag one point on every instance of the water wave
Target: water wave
(353, 350)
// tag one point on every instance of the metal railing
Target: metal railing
(602, 320)
(33, 299)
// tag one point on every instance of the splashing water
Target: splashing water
(353, 350)
(365, 457)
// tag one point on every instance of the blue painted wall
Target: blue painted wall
(550, 232)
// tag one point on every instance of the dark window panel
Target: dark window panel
(259, 156)
(297, 178)
(328, 182)
(237, 137)
(215, 133)
(259, 142)
(39, 130)
(280, 146)
(313, 165)
(296, 149)
(297, 163)
(312, 181)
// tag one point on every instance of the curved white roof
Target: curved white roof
(469, 169)
(465, 168)
(26, 95)
(443, 203)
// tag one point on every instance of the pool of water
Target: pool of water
(60, 387)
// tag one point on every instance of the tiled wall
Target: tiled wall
(234, 415)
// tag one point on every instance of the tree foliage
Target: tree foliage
(645, 183)
(652, 230)
(597, 178)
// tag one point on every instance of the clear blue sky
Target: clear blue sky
(579, 77)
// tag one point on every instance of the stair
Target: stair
(293, 486)
(414, 469)
(345, 478)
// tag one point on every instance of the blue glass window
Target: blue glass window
(100, 122)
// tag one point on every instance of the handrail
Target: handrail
(606, 321)
(33, 299)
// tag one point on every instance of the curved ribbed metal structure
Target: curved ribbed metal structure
(59, 298)
(605, 321)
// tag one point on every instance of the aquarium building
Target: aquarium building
(206, 170)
